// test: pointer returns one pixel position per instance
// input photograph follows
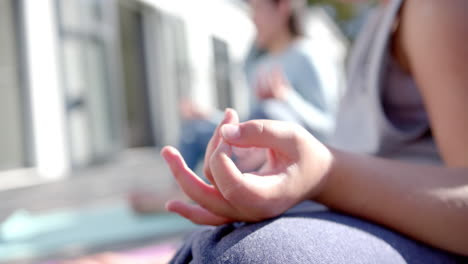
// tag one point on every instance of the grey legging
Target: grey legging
(305, 235)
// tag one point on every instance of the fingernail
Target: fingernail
(230, 131)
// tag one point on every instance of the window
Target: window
(90, 79)
(222, 73)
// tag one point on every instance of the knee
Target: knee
(305, 240)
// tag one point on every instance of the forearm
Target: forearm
(427, 203)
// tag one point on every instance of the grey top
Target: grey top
(312, 76)
(382, 112)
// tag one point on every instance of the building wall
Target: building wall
(11, 139)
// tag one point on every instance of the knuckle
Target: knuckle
(256, 127)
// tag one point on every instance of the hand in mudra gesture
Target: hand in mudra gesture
(295, 169)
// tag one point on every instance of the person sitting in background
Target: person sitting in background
(289, 80)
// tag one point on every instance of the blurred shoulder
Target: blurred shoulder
(301, 46)
(434, 27)
(444, 6)
(434, 15)
(305, 50)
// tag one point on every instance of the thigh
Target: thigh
(197, 129)
(195, 135)
(307, 237)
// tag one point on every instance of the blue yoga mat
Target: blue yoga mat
(25, 235)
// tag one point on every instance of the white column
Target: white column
(47, 102)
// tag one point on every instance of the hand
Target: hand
(272, 85)
(295, 170)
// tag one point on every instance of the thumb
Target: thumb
(279, 136)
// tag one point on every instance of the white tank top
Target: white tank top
(382, 112)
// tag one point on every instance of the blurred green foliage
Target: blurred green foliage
(348, 16)
(343, 11)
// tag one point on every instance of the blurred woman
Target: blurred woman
(286, 75)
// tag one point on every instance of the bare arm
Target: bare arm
(434, 39)
(427, 203)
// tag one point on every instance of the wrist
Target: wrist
(317, 166)
(329, 179)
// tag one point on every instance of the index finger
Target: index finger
(279, 136)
